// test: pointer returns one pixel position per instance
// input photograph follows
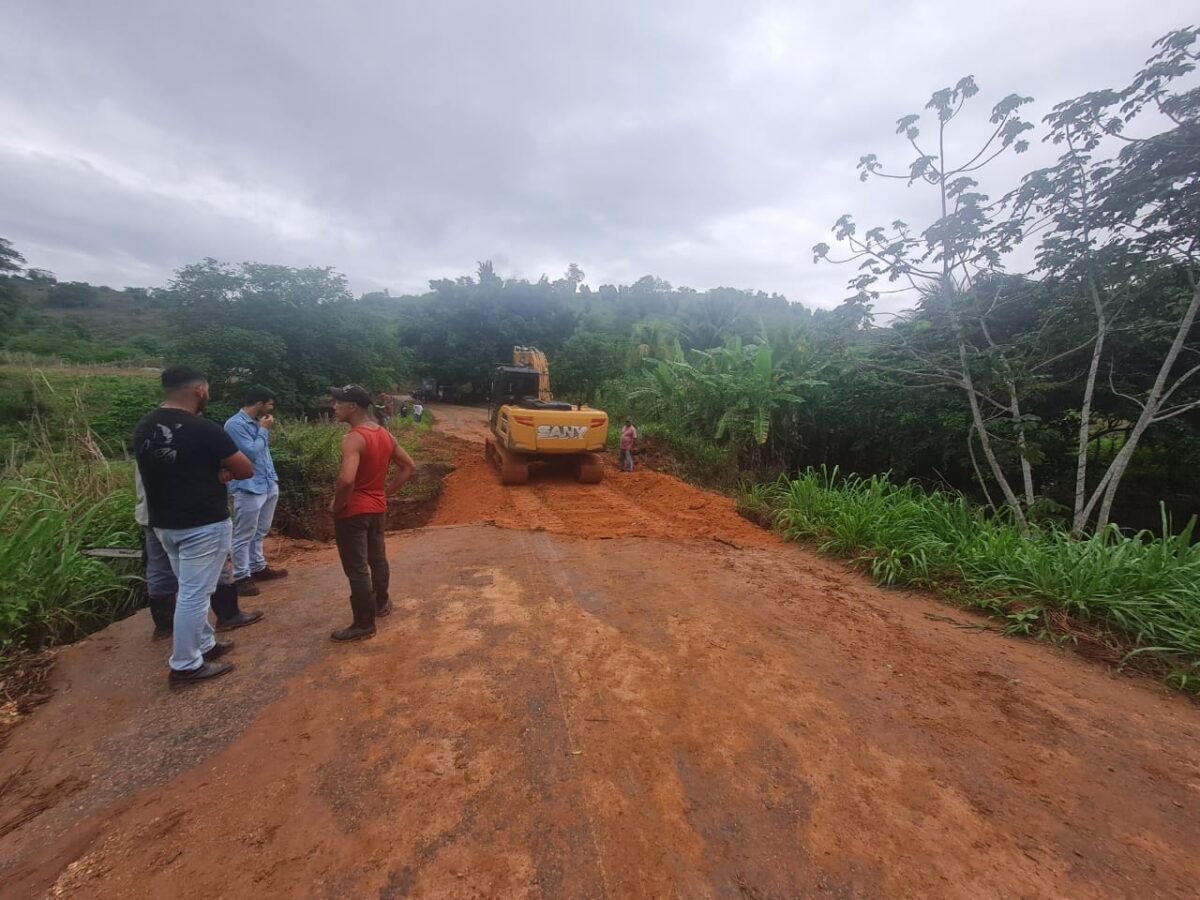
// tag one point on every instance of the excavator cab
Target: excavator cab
(518, 386)
(510, 385)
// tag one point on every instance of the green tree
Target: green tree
(1112, 224)
(964, 242)
(296, 330)
(10, 259)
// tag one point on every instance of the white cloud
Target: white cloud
(707, 143)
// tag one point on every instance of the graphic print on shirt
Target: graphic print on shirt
(159, 444)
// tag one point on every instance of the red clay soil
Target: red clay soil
(548, 715)
(637, 504)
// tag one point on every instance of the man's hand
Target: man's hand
(267, 422)
(333, 507)
(224, 476)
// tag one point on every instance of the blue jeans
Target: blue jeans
(160, 578)
(197, 556)
(252, 517)
(626, 460)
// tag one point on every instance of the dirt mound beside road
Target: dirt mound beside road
(637, 504)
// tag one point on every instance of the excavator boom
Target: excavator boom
(533, 358)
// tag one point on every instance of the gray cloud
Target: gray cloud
(707, 143)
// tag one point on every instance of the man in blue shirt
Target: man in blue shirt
(254, 498)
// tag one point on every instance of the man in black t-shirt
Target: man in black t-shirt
(185, 462)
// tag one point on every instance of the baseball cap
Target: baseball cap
(352, 393)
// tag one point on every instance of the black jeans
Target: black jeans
(364, 560)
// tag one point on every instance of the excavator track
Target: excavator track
(513, 469)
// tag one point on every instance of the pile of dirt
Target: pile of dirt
(637, 504)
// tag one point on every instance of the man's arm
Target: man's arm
(250, 439)
(238, 465)
(404, 468)
(352, 447)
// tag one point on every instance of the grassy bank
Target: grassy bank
(1131, 595)
(69, 400)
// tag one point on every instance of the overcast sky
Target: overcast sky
(707, 143)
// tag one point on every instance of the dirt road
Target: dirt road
(579, 701)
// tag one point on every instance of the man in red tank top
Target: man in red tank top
(360, 505)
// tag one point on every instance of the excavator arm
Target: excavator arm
(533, 358)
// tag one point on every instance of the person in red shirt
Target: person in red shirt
(359, 506)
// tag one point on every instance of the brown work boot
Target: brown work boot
(269, 574)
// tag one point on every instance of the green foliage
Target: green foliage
(73, 404)
(297, 330)
(11, 259)
(585, 362)
(729, 395)
(1144, 588)
(127, 400)
(52, 508)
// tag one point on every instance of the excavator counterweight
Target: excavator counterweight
(529, 426)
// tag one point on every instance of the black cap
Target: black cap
(352, 393)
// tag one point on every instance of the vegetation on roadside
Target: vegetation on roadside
(61, 501)
(1141, 591)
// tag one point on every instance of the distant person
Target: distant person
(383, 408)
(418, 410)
(404, 409)
(255, 498)
(441, 394)
(185, 461)
(359, 507)
(628, 445)
(161, 584)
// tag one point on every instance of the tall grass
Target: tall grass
(1143, 589)
(64, 499)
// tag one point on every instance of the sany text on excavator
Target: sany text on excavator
(528, 425)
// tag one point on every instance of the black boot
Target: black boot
(364, 620)
(162, 613)
(229, 615)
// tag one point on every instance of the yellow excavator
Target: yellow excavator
(528, 425)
